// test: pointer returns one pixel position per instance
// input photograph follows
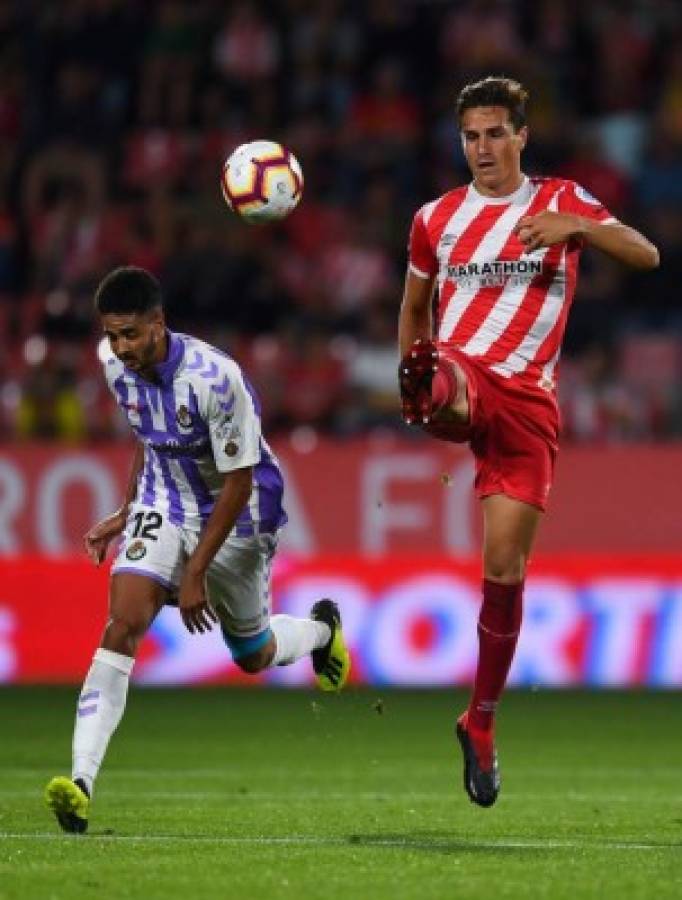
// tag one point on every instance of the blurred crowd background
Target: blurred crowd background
(115, 117)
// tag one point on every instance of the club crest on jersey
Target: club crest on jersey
(231, 448)
(228, 430)
(136, 551)
(184, 417)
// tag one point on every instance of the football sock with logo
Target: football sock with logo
(100, 707)
(498, 631)
(296, 638)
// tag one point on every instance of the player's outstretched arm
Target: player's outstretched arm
(99, 537)
(619, 241)
(622, 242)
(195, 609)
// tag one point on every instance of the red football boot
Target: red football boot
(416, 372)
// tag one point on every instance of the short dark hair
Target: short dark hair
(495, 90)
(128, 289)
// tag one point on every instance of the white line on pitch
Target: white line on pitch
(229, 771)
(303, 840)
(355, 796)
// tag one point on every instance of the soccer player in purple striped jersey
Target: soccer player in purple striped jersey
(198, 525)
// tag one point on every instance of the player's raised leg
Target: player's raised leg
(288, 639)
(509, 530)
(134, 602)
(239, 586)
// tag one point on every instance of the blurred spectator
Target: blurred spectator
(169, 65)
(372, 366)
(8, 252)
(49, 405)
(660, 178)
(625, 40)
(352, 272)
(597, 175)
(247, 47)
(651, 302)
(387, 114)
(314, 380)
(481, 36)
(670, 104)
(595, 404)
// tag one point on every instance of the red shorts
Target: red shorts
(513, 432)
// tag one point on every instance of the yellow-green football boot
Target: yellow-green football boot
(331, 662)
(69, 801)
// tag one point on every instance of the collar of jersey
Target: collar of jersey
(521, 193)
(176, 349)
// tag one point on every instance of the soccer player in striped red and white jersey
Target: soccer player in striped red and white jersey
(495, 264)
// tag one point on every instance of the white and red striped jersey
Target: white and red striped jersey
(495, 301)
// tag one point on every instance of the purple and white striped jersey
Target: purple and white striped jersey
(200, 421)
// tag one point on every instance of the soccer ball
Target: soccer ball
(262, 181)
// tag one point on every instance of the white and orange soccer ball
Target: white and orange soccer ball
(262, 181)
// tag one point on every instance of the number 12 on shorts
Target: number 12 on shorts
(147, 524)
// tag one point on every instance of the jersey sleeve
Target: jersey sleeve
(422, 261)
(111, 369)
(233, 424)
(575, 199)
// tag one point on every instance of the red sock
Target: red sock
(443, 386)
(498, 632)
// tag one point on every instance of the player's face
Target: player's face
(137, 339)
(493, 149)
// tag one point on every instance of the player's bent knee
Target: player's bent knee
(255, 662)
(253, 653)
(123, 636)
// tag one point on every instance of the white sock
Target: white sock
(296, 638)
(100, 707)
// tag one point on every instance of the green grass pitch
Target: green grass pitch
(263, 794)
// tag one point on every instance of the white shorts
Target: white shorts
(238, 578)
